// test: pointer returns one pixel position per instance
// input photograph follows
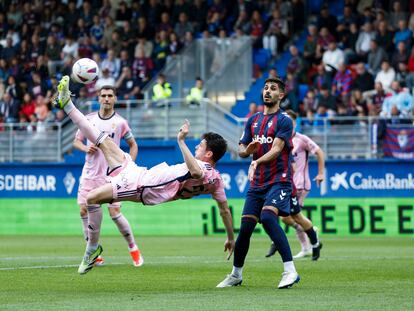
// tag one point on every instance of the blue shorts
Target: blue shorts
(277, 195)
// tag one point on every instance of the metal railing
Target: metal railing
(224, 64)
(340, 137)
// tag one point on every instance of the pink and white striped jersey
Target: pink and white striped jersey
(116, 127)
(302, 146)
(163, 183)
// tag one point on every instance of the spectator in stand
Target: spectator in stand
(123, 13)
(309, 104)
(358, 105)
(403, 34)
(401, 99)
(400, 55)
(397, 15)
(183, 26)
(275, 26)
(9, 108)
(142, 66)
(386, 75)
(384, 37)
(174, 45)
(106, 79)
(3, 70)
(70, 48)
(376, 57)
(160, 51)
(322, 78)
(181, 6)
(310, 53)
(161, 90)
(109, 28)
(27, 108)
(144, 30)
(96, 32)
(348, 16)
(298, 16)
(127, 86)
(362, 45)
(324, 39)
(333, 57)
(363, 81)
(44, 114)
(124, 59)
(253, 108)
(403, 76)
(145, 45)
(375, 99)
(295, 65)
(38, 86)
(112, 63)
(327, 100)
(256, 29)
(52, 54)
(188, 39)
(165, 24)
(196, 93)
(342, 82)
(242, 22)
(13, 88)
(272, 73)
(327, 20)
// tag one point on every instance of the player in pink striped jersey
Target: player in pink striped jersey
(94, 169)
(305, 232)
(163, 183)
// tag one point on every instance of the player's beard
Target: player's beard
(271, 104)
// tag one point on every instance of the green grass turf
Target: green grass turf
(180, 273)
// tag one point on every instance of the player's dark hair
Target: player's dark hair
(279, 82)
(108, 87)
(293, 115)
(216, 144)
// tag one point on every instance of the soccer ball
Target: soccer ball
(85, 71)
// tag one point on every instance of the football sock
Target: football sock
(237, 272)
(313, 238)
(302, 237)
(243, 241)
(289, 266)
(94, 223)
(125, 229)
(87, 129)
(276, 233)
(85, 227)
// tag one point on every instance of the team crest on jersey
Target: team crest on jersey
(270, 123)
(255, 124)
(113, 126)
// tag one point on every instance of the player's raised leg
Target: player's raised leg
(125, 229)
(113, 154)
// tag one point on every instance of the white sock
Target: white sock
(90, 248)
(237, 272)
(69, 107)
(289, 266)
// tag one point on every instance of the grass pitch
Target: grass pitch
(180, 273)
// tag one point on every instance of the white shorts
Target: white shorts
(87, 185)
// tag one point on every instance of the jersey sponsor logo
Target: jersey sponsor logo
(358, 181)
(263, 139)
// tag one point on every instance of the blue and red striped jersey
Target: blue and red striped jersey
(264, 129)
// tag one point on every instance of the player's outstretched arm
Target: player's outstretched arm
(191, 162)
(246, 151)
(78, 144)
(228, 224)
(320, 156)
(133, 148)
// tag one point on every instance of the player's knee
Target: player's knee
(83, 211)
(268, 216)
(92, 198)
(114, 211)
(248, 223)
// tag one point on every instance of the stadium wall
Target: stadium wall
(358, 198)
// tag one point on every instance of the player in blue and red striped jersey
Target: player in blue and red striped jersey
(268, 137)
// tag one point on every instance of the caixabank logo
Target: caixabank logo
(359, 181)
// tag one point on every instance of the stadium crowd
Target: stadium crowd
(360, 63)
(40, 41)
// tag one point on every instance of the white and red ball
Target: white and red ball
(85, 71)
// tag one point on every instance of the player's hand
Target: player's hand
(91, 149)
(229, 246)
(252, 170)
(319, 178)
(184, 129)
(252, 147)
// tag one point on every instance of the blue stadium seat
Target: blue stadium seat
(303, 89)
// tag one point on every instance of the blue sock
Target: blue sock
(243, 241)
(276, 233)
